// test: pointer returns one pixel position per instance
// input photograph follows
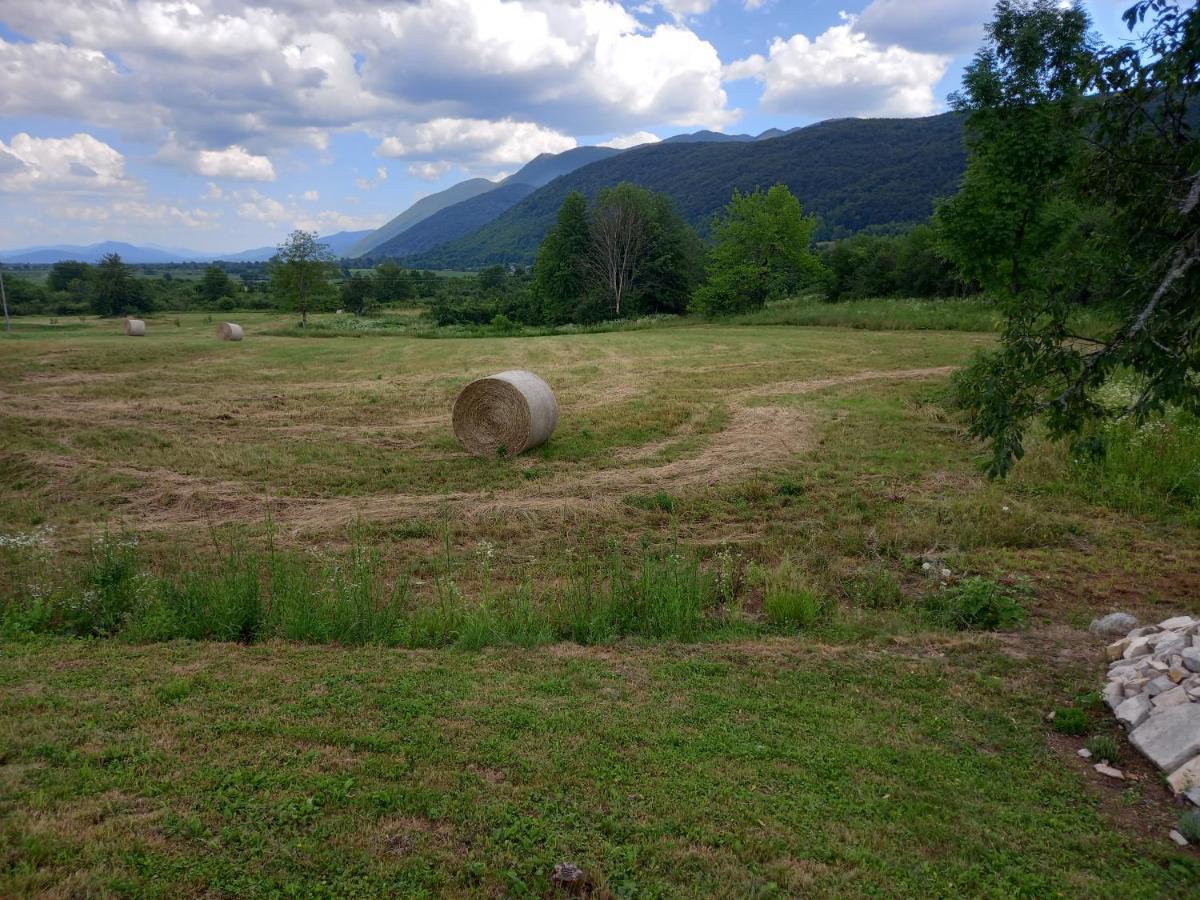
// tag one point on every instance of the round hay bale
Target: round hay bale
(135, 327)
(230, 331)
(508, 413)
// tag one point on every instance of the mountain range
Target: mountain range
(853, 174)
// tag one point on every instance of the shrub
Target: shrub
(111, 588)
(1103, 747)
(975, 604)
(794, 607)
(1189, 825)
(1071, 720)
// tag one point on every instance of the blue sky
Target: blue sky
(218, 126)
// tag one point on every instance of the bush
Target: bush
(975, 604)
(1189, 825)
(1103, 747)
(1071, 720)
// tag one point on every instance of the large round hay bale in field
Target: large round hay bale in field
(135, 327)
(230, 331)
(507, 413)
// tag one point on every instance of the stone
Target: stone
(1135, 687)
(1176, 622)
(1116, 649)
(1138, 647)
(566, 875)
(1106, 769)
(1170, 737)
(1158, 665)
(1143, 631)
(1159, 684)
(1114, 694)
(1084, 752)
(1177, 674)
(1191, 658)
(1134, 711)
(1193, 794)
(1178, 838)
(1186, 776)
(1115, 624)
(1173, 697)
(1172, 643)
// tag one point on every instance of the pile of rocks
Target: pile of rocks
(1154, 690)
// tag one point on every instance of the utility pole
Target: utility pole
(4, 300)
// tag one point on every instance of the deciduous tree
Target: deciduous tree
(301, 273)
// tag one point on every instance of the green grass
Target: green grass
(730, 770)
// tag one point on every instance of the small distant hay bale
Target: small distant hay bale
(230, 331)
(135, 327)
(507, 413)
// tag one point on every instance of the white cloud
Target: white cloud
(429, 171)
(681, 9)
(234, 162)
(260, 208)
(930, 26)
(213, 192)
(76, 163)
(273, 75)
(132, 213)
(752, 5)
(381, 173)
(331, 221)
(312, 196)
(631, 140)
(474, 143)
(842, 73)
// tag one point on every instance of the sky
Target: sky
(218, 126)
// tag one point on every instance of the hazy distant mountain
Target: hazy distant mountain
(422, 209)
(92, 253)
(545, 167)
(706, 137)
(454, 221)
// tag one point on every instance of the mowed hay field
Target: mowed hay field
(855, 750)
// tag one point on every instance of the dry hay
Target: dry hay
(230, 331)
(755, 439)
(507, 413)
(135, 327)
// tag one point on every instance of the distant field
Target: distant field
(860, 752)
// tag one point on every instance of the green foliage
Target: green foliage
(1113, 216)
(393, 284)
(976, 604)
(903, 265)
(63, 274)
(1189, 826)
(559, 279)
(798, 607)
(1071, 720)
(358, 294)
(301, 274)
(762, 253)
(214, 285)
(1103, 747)
(113, 290)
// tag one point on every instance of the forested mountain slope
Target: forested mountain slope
(853, 173)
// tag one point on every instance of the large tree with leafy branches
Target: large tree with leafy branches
(301, 273)
(1109, 198)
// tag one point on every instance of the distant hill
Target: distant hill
(474, 212)
(339, 242)
(454, 221)
(707, 137)
(853, 173)
(422, 209)
(545, 167)
(92, 253)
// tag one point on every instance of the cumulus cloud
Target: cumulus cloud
(636, 139)
(263, 77)
(233, 162)
(681, 9)
(76, 163)
(929, 26)
(429, 171)
(312, 196)
(474, 143)
(843, 73)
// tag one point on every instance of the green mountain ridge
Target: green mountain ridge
(454, 221)
(852, 173)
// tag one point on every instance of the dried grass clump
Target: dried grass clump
(230, 331)
(135, 327)
(505, 414)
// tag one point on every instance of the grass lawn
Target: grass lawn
(854, 751)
